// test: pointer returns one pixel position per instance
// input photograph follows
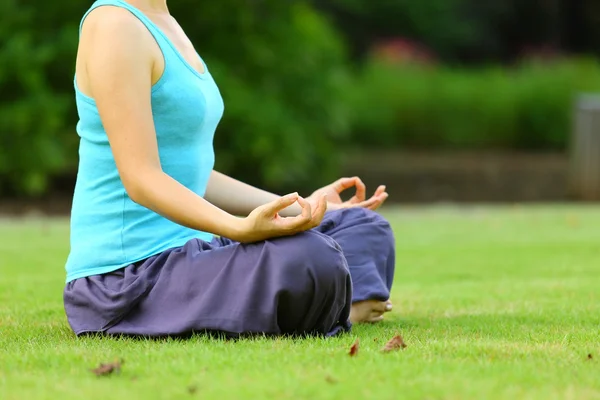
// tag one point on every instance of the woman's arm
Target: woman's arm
(239, 198)
(118, 58)
(115, 63)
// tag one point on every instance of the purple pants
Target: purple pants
(303, 284)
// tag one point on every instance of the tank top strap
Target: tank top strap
(151, 26)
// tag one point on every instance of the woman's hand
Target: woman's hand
(332, 194)
(265, 222)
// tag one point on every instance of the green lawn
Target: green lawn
(492, 302)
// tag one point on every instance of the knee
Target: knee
(361, 216)
(373, 223)
(376, 218)
(383, 230)
(314, 288)
(383, 225)
(313, 257)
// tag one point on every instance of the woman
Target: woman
(161, 244)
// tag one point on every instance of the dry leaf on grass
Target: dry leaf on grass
(354, 348)
(572, 221)
(107, 369)
(192, 389)
(395, 343)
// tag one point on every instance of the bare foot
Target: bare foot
(368, 311)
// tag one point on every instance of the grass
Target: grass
(493, 302)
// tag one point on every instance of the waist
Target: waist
(102, 246)
(110, 232)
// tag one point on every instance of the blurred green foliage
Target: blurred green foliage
(440, 25)
(281, 82)
(528, 106)
(294, 98)
(36, 106)
(281, 69)
(471, 31)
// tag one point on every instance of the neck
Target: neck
(155, 6)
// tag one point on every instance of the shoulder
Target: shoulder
(113, 27)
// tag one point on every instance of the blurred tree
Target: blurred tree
(280, 68)
(436, 23)
(581, 25)
(284, 73)
(36, 110)
(471, 31)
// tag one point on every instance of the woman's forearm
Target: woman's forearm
(162, 194)
(239, 198)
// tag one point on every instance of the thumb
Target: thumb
(283, 202)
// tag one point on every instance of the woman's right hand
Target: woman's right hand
(265, 222)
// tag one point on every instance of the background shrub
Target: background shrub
(301, 82)
(528, 106)
(280, 68)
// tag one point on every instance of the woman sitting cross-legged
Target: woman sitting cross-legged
(161, 243)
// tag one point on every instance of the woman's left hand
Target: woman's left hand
(334, 201)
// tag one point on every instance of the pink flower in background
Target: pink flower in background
(402, 51)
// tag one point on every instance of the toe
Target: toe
(378, 306)
(375, 318)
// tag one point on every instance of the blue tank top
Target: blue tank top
(108, 230)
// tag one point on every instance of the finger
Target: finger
(318, 206)
(380, 190)
(380, 200)
(361, 191)
(370, 203)
(343, 184)
(346, 183)
(306, 208)
(299, 222)
(374, 202)
(319, 212)
(283, 202)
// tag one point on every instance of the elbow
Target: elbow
(137, 186)
(136, 193)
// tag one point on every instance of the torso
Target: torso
(175, 33)
(108, 229)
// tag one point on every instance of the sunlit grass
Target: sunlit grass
(492, 302)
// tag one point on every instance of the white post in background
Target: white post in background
(585, 149)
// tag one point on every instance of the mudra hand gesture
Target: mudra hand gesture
(334, 201)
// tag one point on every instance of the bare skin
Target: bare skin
(369, 311)
(118, 61)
